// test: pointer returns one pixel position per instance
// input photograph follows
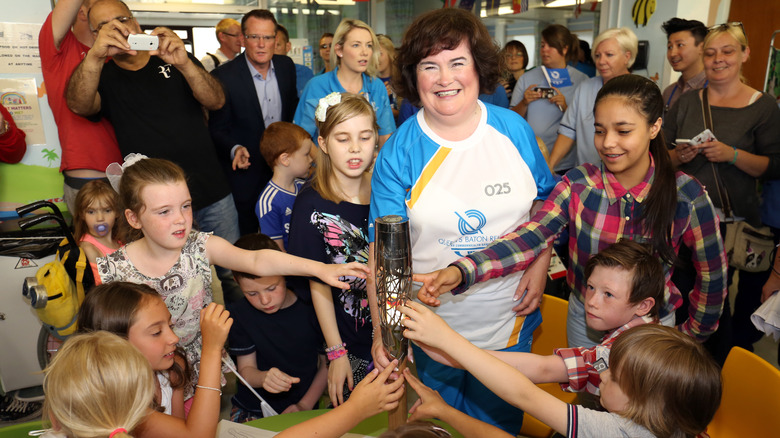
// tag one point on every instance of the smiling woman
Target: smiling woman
(746, 148)
(446, 59)
(356, 51)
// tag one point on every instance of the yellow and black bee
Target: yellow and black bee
(642, 11)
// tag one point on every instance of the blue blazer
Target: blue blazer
(240, 121)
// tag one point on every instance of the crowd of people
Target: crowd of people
(249, 162)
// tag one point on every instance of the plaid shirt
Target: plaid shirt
(583, 376)
(598, 212)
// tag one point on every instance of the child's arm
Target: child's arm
(537, 368)
(280, 243)
(202, 421)
(272, 380)
(506, 382)
(339, 369)
(313, 394)
(267, 262)
(437, 283)
(371, 396)
(431, 405)
(90, 251)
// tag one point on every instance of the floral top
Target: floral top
(185, 289)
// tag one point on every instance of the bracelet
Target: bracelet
(336, 347)
(734, 160)
(208, 387)
(333, 355)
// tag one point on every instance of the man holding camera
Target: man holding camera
(155, 101)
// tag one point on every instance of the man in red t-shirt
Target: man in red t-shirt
(87, 147)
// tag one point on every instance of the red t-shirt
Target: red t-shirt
(85, 144)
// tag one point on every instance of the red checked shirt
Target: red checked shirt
(584, 365)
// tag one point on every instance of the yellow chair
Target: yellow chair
(550, 335)
(750, 405)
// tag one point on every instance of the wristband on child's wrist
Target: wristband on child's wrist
(336, 351)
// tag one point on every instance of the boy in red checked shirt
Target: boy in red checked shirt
(625, 287)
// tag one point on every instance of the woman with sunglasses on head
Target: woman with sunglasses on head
(356, 49)
(744, 150)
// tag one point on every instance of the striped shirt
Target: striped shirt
(598, 212)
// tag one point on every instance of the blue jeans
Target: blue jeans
(465, 393)
(221, 218)
(580, 335)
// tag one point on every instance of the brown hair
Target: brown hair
(93, 192)
(144, 172)
(281, 138)
(520, 47)
(254, 242)
(346, 26)
(648, 279)
(352, 105)
(673, 385)
(260, 14)
(113, 307)
(661, 205)
(559, 38)
(445, 29)
(98, 383)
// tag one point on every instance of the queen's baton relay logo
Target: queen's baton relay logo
(470, 226)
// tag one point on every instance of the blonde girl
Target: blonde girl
(386, 69)
(330, 224)
(165, 252)
(98, 385)
(137, 313)
(95, 224)
(355, 49)
(660, 382)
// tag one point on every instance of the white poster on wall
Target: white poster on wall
(19, 48)
(20, 98)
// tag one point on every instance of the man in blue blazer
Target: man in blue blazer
(260, 89)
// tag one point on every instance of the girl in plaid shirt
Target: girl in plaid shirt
(633, 194)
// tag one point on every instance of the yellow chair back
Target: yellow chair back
(750, 405)
(550, 335)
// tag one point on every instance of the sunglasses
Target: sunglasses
(324, 46)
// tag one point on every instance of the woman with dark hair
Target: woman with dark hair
(633, 193)
(544, 110)
(515, 61)
(464, 173)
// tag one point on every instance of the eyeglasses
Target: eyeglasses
(255, 38)
(513, 55)
(324, 46)
(122, 19)
(230, 34)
